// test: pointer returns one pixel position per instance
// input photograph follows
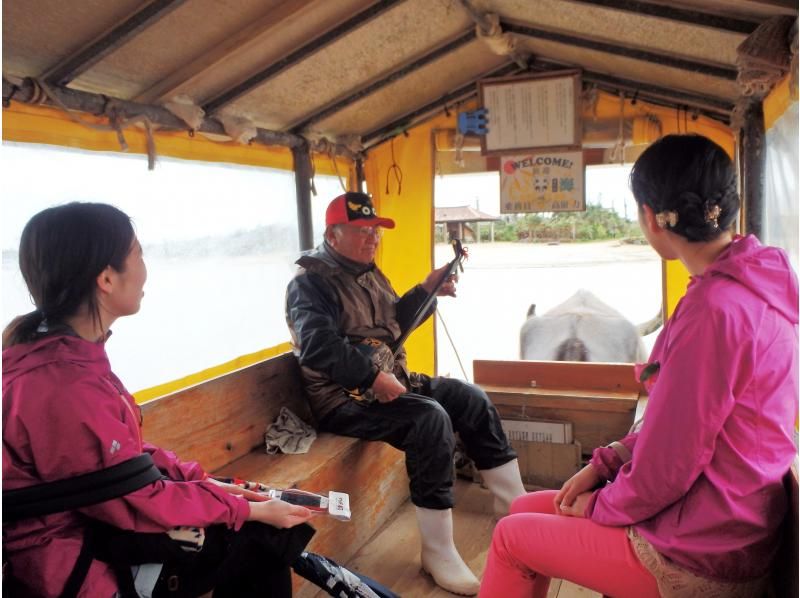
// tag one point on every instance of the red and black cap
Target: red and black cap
(356, 209)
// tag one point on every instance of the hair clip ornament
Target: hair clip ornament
(712, 214)
(667, 217)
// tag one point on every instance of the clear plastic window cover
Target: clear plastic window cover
(219, 241)
(781, 185)
(501, 280)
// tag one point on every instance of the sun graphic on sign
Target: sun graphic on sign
(519, 184)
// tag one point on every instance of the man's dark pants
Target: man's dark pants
(423, 426)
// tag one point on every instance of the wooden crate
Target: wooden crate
(600, 399)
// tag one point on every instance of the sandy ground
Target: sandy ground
(501, 280)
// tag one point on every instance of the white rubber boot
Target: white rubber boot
(506, 485)
(440, 558)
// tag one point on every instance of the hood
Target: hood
(21, 359)
(764, 270)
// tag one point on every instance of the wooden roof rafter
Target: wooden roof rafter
(711, 106)
(399, 73)
(660, 58)
(79, 62)
(349, 25)
(230, 46)
(673, 13)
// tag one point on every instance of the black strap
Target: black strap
(81, 568)
(80, 491)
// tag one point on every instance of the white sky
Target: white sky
(203, 198)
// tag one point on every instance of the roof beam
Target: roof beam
(232, 44)
(92, 53)
(713, 107)
(646, 91)
(700, 19)
(385, 131)
(791, 4)
(327, 38)
(94, 103)
(395, 75)
(667, 60)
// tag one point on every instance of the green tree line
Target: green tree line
(595, 224)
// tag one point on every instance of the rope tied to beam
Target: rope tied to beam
(239, 128)
(323, 145)
(184, 108)
(395, 169)
(489, 29)
(117, 120)
(499, 42)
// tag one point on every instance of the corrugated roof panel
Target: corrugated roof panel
(37, 34)
(758, 9)
(638, 70)
(195, 27)
(414, 91)
(404, 33)
(625, 28)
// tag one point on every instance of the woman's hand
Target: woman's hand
(578, 506)
(250, 495)
(278, 513)
(583, 481)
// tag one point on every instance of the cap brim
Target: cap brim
(384, 222)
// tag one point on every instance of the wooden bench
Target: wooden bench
(221, 424)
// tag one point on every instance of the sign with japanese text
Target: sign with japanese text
(531, 112)
(542, 182)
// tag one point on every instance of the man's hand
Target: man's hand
(448, 288)
(279, 514)
(583, 481)
(387, 388)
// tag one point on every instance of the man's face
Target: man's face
(357, 243)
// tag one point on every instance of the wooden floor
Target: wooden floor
(392, 555)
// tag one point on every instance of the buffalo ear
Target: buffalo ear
(532, 310)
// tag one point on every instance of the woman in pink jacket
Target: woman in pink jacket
(691, 503)
(65, 413)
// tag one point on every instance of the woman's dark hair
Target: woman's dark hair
(61, 253)
(689, 175)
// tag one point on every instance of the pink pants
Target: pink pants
(533, 544)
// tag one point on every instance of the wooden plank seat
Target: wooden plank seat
(221, 423)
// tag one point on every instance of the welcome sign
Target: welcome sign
(542, 182)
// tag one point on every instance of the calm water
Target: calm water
(197, 313)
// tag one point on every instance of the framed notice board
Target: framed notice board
(539, 111)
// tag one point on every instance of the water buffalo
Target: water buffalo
(583, 328)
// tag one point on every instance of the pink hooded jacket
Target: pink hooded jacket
(65, 413)
(704, 485)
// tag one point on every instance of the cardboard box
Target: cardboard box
(559, 432)
(547, 464)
